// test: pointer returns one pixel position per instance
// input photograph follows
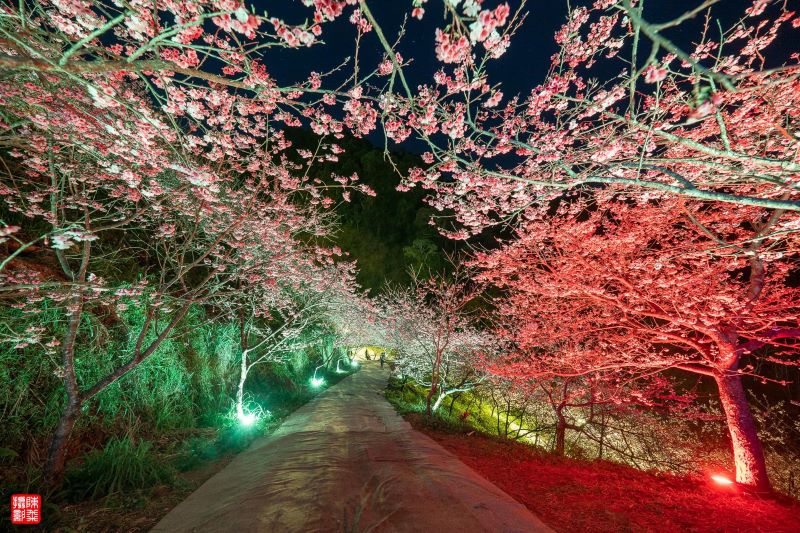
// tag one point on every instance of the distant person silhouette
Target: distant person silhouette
(383, 358)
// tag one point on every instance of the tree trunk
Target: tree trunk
(561, 431)
(57, 454)
(453, 399)
(428, 399)
(748, 456)
(243, 345)
(602, 435)
(438, 402)
(240, 387)
(434, 382)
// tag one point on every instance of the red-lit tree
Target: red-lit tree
(643, 288)
(713, 121)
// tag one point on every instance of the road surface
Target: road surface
(347, 462)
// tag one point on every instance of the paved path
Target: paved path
(346, 462)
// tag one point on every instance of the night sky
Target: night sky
(524, 65)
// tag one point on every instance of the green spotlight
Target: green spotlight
(247, 419)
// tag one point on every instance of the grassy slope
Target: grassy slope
(600, 496)
(198, 454)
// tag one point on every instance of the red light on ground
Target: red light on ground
(722, 480)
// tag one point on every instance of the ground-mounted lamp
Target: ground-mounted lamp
(249, 413)
(721, 479)
(316, 382)
(247, 419)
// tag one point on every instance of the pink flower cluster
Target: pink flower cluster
(328, 9)
(487, 21)
(187, 59)
(243, 22)
(494, 99)
(418, 10)
(361, 116)
(362, 23)
(455, 126)
(451, 49)
(653, 74)
(295, 37)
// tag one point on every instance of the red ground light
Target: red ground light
(721, 480)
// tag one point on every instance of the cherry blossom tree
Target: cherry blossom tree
(526, 374)
(583, 406)
(198, 245)
(356, 319)
(160, 121)
(712, 121)
(436, 335)
(121, 122)
(644, 288)
(276, 320)
(715, 122)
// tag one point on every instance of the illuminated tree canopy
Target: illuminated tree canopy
(630, 217)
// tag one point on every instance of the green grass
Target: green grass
(123, 465)
(194, 452)
(409, 397)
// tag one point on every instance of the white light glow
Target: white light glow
(317, 382)
(247, 419)
(722, 480)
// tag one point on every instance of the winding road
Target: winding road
(347, 462)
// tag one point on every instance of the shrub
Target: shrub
(235, 438)
(195, 452)
(123, 465)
